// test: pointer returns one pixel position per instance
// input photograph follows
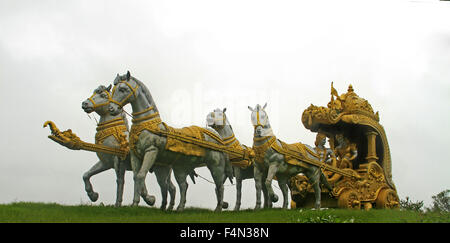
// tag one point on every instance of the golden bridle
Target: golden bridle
(132, 93)
(94, 105)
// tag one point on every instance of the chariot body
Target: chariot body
(358, 163)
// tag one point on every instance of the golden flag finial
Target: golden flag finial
(333, 91)
(350, 88)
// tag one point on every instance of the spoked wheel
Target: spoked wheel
(349, 199)
(387, 199)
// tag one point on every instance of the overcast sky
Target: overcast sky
(196, 56)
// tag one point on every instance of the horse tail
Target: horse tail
(192, 175)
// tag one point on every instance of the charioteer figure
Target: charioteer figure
(326, 154)
(346, 152)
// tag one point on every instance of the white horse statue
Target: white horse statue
(243, 169)
(271, 160)
(111, 131)
(153, 142)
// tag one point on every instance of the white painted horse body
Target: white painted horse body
(99, 103)
(219, 122)
(274, 163)
(149, 148)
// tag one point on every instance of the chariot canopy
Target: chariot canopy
(353, 117)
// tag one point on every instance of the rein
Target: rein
(132, 93)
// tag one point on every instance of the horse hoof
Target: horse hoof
(134, 204)
(257, 207)
(93, 196)
(225, 205)
(274, 198)
(170, 208)
(218, 209)
(163, 208)
(237, 207)
(118, 205)
(180, 209)
(150, 200)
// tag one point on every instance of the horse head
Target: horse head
(98, 101)
(126, 90)
(260, 121)
(217, 119)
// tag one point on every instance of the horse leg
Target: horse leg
(238, 175)
(258, 176)
(172, 191)
(180, 177)
(139, 178)
(100, 166)
(282, 182)
(314, 177)
(120, 173)
(149, 199)
(272, 171)
(135, 165)
(218, 175)
(266, 195)
(162, 173)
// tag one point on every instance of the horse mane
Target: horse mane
(146, 92)
(100, 89)
(144, 88)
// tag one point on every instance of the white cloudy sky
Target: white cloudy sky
(199, 55)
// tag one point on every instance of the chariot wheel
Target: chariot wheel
(387, 199)
(349, 199)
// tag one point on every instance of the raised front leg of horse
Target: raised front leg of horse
(139, 179)
(268, 183)
(99, 167)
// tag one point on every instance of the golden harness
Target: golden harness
(133, 92)
(94, 105)
(244, 160)
(115, 127)
(295, 154)
(188, 140)
(260, 150)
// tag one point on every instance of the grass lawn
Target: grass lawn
(49, 213)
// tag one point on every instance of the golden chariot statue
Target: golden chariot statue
(358, 144)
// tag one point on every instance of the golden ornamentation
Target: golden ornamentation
(72, 141)
(373, 185)
(349, 199)
(261, 149)
(194, 132)
(137, 128)
(387, 198)
(351, 109)
(188, 140)
(244, 160)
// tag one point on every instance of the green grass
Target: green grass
(49, 213)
